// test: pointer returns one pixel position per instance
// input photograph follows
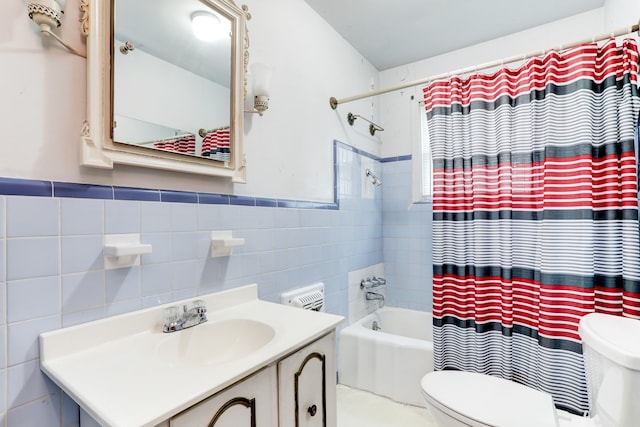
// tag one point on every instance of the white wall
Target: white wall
(288, 150)
(396, 110)
(146, 90)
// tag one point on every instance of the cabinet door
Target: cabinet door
(250, 403)
(307, 386)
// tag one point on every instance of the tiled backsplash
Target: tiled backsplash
(52, 273)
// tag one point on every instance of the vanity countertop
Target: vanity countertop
(121, 372)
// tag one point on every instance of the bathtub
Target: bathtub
(391, 361)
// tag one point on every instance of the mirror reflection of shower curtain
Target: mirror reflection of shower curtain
(535, 213)
(215, 145)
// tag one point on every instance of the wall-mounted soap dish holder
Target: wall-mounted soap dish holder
(123, 250)
(223, 242)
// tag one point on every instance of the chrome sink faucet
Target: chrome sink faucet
(177, 318)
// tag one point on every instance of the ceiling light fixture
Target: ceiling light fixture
(206, 26)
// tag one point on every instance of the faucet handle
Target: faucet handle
(172, 314)
(172, 317)
(365, 283)
(199, 305)
(380, 281)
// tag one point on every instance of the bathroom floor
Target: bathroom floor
(357, 408)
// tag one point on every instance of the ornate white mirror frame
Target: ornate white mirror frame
(98, 148)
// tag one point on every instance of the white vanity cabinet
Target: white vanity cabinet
(297, 391)
(249, 403)
(307, 386)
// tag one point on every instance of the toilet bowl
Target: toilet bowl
(611, 349)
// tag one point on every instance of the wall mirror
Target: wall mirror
(161, 94)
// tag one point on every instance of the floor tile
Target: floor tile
(357, 408)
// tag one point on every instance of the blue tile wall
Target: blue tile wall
(52, 273)
(407, 236)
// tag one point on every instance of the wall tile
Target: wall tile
(161, 248)
(3, 258)
(208, 217)
(183, 216)
(22, 338)
(155, 217)
(81, 216)
(157, 299)
(25, 382)
(2, 217)
(43, 412)
(3, 303)
(82, 291)
(3, 395)
(120, 307)
(286, 218)
(33, 257)
(183, 246)
(83, 191)
(156, 279)
(26, 187)
(121, 217)
(183, 275)
(122, 284)
(208, 273)
(78, 317)
(32, 216)
(70, 411)
(3, 354)
(33, 298)
(249, 265)
(82, 253)
(185, 294)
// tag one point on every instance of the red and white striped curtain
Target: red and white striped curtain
(215, 145)
(183, 144)
(535, 213)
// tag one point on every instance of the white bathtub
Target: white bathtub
(389, 362)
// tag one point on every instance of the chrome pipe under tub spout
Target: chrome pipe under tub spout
(372, 296)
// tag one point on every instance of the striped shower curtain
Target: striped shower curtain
(535, 213)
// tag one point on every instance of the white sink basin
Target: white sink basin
(215, 342)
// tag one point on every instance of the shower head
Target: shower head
(374, 179)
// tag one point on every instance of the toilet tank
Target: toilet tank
(611, 348)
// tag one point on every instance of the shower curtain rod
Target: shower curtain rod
(203, 132)
(622, 31)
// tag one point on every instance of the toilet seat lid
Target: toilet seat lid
(490, 400)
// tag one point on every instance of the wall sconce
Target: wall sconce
(261, 76)
(47, 14)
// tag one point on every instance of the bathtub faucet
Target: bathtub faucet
(372, 282)
(370, 296)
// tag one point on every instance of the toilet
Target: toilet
(611, 348)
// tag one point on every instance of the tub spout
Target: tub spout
(375, 296)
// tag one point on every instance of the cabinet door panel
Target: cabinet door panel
(250, 403)
(307, 386)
